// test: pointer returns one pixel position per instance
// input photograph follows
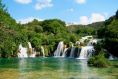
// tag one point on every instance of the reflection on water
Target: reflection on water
(84, 69)
(51, 68)
(22, 66)
(86, 72)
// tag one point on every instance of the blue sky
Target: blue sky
(70, 11)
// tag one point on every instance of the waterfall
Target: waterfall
(64, 53)
(83, 53)
(29, 45)
(72, 52)
(59, 49)
(85, 38)
(26, 52)
(32, 53)
(22, 53)
(111, 57)
(92, 41)
(42, 51)
(86, 52)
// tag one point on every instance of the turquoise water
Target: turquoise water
(53, 68)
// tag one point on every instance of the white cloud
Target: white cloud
(80, 1)
(23, 1)
(43, 4)
(27, 20)
(71, 10)
(95, 17)
(84, 20)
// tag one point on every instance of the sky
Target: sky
(71, 11)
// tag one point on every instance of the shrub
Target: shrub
(98, 60)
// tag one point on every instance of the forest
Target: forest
(49, 32)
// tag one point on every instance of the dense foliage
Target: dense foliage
(45, 33)
(110, 35)
(99, 58)
(82, 30)
(48, 33)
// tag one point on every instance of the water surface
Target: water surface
(53, 68)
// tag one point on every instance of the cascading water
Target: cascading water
(22, 52)
(64, 53)
(85, 38)
(83, 52)
(86, 52)
(72, 51)
(91, 42)
(33, 54)
(111, 57)
(31, 51)
(29, 45)
(26, 52)
(42, 51)
(59, 49)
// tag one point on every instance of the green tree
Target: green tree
(38, 29)
(111, 37)
(53, 25)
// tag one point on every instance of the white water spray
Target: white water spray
(22, 52)
(42, 51)
(64, 53)
(86, 52)
(59, 49)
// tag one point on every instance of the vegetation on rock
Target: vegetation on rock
(99, 58)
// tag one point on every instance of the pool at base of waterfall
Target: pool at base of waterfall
(53, 68)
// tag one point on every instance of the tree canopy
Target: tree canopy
(110, 33)
(49, 32)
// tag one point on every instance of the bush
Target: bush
(38, 29)
(99, 60)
